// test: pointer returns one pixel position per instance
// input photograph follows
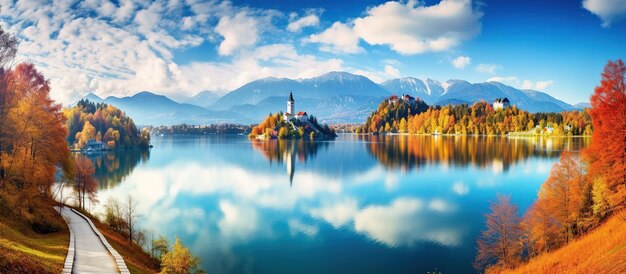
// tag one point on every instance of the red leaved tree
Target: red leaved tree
(607, 152)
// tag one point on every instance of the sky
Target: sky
(181, 47)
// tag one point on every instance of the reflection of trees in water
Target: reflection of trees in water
(498, 153)
(288, 151)
(112, 167)
(283, 150)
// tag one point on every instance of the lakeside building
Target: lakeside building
(405, 97)
(93, 145)
(501, 103)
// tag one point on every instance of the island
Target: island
(291, 125)
(409, 115)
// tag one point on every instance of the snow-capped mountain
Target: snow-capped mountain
(334, 97)
(460, 91)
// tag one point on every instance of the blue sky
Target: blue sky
(181, 47)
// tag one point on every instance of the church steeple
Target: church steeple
(290, 105)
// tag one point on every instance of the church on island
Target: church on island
(289, 115)
(291, 124)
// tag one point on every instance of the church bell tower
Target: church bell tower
(290, 103)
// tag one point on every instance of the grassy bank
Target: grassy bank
(24, 251)
(603, 250)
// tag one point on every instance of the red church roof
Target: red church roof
(301, 113)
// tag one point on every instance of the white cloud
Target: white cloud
(539, 85)
(408, 220)
(297, 227)
(392, 71)
(527, 84)
(308, 20)
(239, 31)
(408, 28)
(239, 222)
(610, 11)
(509, 79)
(129, 47)
(460, 188)
(412, 28)
(460, 62)
(337, 214)
(488, 68)
(338, 38)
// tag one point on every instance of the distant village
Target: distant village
(214, 129)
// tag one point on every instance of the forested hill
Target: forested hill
(105, 123)
(415, 117)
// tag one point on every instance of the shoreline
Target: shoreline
(467, 135)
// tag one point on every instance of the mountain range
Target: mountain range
(335, 97)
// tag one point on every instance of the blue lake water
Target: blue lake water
(358, 204)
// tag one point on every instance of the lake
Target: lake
(358, 204)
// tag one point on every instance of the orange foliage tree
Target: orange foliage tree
(541, 229)
(607, 152)
(500, 244)
(32, 135)
(85, 186)
(567, 194)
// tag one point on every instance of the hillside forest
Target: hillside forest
(104, 123)
(583, 190)
(415, 117)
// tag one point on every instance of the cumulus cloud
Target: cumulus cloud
(407, 27)
(338, 38)
(296, 24)
(539, 85)
(460, 62)
(239, 31)
(609, 11)
(122, 48)
(392, 71)
(488, 68)
(412, 28)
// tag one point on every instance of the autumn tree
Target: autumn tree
(102, 122)
(160, 247)
(85, 185)
(179, 260)
(541, 229)
(113, 215)
(144, 138)
(607, 151)
(32, 135)
(565, 192)
(500, 244)
(600, 193)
